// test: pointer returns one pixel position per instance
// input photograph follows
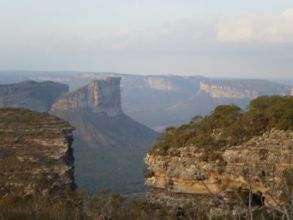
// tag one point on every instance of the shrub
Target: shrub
(228, 125)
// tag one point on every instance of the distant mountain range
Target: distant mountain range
(163, 101)
(32, 95)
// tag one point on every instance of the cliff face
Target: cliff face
(100, 96)
(240, 89)
(193, 172)
(218, 91)
(160, 84)
(35, 153)
(31, 95)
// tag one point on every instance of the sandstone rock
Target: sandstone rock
(41, 159)
(259, 162)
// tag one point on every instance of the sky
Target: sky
(230, 38)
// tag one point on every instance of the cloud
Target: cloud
(174, 37)
(257, 28)
(209, 34)
(249, 45)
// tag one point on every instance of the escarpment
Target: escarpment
(225, 154)
(36, 96)
(241, 89)
(35, 153)
(99, 96)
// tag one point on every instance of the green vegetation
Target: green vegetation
(18, 117)
(228, 125)
(53, 206)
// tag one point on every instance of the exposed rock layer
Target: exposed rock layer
(240, 89)
(35, 152)
(218, 91)
(195, 172)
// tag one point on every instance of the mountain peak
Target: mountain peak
(99, 96)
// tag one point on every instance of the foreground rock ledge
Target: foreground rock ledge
(35, 153)
(188, 173)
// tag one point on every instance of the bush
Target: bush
(228, 125)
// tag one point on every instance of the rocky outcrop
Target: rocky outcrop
(100, 96)
(36, 96)
(194, 172)
(35, 153)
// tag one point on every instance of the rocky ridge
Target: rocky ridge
(36, 96)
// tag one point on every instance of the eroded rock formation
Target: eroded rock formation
(194, 172)
(100, 96)
(35, 153)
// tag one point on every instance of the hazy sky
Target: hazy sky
(233, 38)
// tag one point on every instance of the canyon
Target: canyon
(109, 145)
